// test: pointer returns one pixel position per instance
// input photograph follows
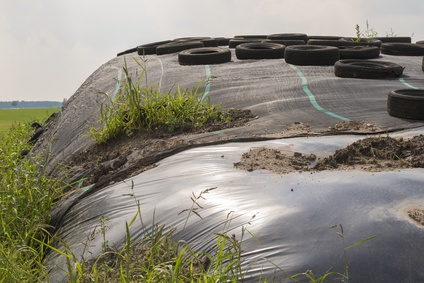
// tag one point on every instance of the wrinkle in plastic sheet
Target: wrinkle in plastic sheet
(292, 227)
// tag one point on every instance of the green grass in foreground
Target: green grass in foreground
(159, 257)
(26, 196)
(9, 117)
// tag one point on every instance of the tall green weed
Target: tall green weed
(26, 196)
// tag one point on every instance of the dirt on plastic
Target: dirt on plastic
(417, 215)
(371, 154)
(374, 154)
(126, 156)
(136, 153)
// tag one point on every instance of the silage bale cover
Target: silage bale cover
(289, 215)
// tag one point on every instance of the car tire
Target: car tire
(422, 65)
(207, 41)
(336, 43)
(359, 52)
(210, 42)
(150, 48)
(311, 55)
(288, 36)
(406, 103)
(251, 36)
(204, 56)
(324, 37)
(260, 50)
(174, 47)
(385, 39)
(233, 42)
(367, 69)
(363, 41)
(286, 42)
(128, 51)
(402, 49)
(190, 38)
(222, 41)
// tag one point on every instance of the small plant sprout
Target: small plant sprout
(367, 34)
(195, 204)
(369, 31)
(358, 33)
(345, 274)
(391, 33)
(102, 231)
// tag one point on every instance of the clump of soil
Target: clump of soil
(378, 154)
(417, 215)
(371, 154)
(274, 160)
(357, 126)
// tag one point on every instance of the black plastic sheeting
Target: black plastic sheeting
(293, 212)
(292, 226)
(278, 93)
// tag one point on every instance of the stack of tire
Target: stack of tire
(176, 45)
(405, 103)
(296, 48)
(288, 39)
(290, 46)
(362, 49)
(349, 48)
(264, 47)
(349, 56)
(295, 51)
(242, 39)
(370, 69)
(191, 50)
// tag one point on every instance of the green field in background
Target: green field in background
(9, 117)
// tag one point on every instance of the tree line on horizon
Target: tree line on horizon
(30, 104)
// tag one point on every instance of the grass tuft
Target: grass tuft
(137, 107)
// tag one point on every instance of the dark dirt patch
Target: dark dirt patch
(370, 154)
(135, 154)
(126, 156)
(378, 154)
(417, 215)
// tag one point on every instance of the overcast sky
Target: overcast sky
(50, 47)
